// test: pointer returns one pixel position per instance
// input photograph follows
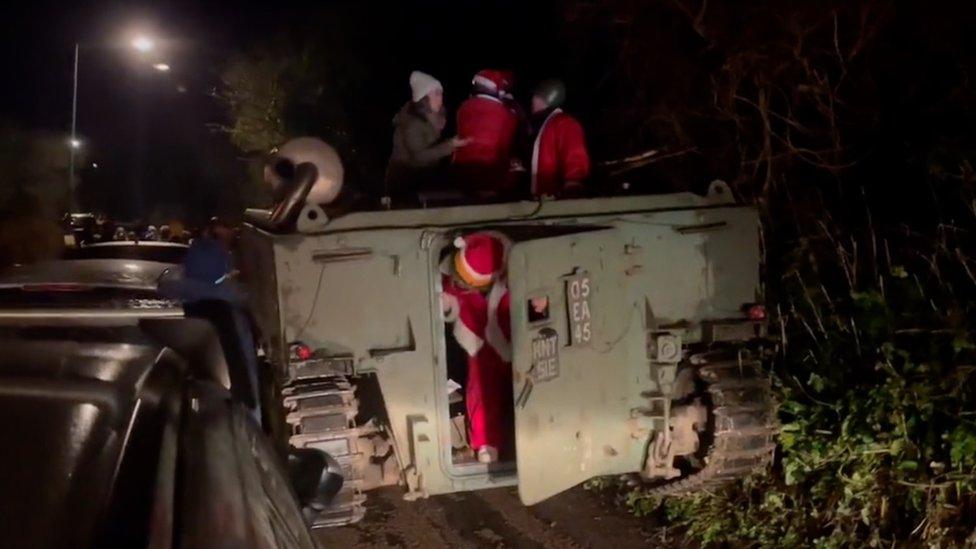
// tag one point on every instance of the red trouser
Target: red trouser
(488, 394)
(489, 400)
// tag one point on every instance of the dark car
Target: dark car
(120, 427)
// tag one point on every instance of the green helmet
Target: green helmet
(553, 92)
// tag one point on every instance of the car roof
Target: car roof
(67, 404)
(153, 243)
(110, 273)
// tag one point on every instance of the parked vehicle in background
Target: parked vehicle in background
(120, 424)
(77, 228)
(162, 252)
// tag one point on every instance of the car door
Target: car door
(579, 363)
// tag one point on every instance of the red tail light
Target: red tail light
(301, 351)
(756, 311)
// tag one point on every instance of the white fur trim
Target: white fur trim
(482, 81)
(459, 242)
(535, 149)
(493, 332)
(488, 97)
(468, 340)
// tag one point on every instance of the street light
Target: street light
(74, 140)
(142, 44)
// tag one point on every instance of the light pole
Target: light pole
(74, 144)
(143, 44)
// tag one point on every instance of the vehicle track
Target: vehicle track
(743, 412)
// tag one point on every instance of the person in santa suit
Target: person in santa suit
(490, 122)
(560, 160)
(475, 299)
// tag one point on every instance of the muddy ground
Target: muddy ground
(495, 518)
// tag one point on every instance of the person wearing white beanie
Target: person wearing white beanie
(422, 84)
(418, 149)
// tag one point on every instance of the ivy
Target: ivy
(878, 438)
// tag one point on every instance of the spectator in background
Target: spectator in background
(207, 289)
(223, 231)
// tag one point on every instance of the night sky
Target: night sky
(157, 154)
(148, 131)
(136, 124)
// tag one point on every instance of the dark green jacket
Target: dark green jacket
(417, 150)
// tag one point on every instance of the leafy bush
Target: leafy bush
(877, 387)
(845, 123)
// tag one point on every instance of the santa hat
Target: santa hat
(422, 84)
(497, 83)
(479, 258)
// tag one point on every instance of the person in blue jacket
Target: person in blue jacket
(208, 290)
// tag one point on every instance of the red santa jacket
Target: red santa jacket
(481, 327)
(491, 125)
(558, 155)
(479, 319)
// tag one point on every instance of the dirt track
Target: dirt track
(492, 518)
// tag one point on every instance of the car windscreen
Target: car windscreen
(162, 254)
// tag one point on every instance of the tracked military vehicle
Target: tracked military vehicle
(647, 360)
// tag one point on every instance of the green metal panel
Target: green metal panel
(495, 213)
(260, 272)
(365, 287)
(575, 425)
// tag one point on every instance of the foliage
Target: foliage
(878, 392)
(255, 94)
(288, 88)
(840, 122)
(34, 168)
(33, 194)
(307, 81)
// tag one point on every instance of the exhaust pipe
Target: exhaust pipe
(305, 169)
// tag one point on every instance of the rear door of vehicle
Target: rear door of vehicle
(579, 365)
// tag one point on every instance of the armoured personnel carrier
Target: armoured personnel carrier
(647, 360)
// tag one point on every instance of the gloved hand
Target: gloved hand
(450, 308)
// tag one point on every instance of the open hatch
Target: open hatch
(578, 359)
